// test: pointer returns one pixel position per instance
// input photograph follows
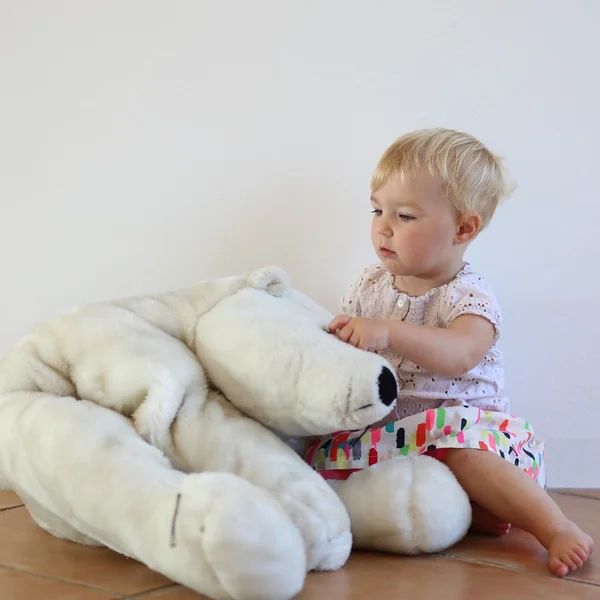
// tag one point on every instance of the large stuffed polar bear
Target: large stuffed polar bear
(154, 425)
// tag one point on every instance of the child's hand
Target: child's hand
(366, 334)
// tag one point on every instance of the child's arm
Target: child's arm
(449, 352)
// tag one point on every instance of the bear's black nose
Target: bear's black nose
(388, 388)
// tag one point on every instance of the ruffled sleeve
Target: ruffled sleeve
(470, 294)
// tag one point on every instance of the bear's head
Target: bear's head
(267, 348)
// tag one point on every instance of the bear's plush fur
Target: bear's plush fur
(153, 425)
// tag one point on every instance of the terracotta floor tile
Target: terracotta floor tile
(586, 493)
(16, 585)
(522, 551)
(26, 547)
(434, 577)
(9, 499)
(514, 567)
(371, 575)
(176, 592)
(17, 518)
(383, 576)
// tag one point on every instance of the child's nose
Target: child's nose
(385, 229)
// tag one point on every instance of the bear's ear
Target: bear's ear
(272, 280)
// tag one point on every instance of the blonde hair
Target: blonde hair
(473, 177)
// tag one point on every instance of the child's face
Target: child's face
(414, 229)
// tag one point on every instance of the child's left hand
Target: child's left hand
(366, 334)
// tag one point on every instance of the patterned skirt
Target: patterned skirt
(432, 433)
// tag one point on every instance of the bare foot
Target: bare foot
(485, 522)
(569, 548)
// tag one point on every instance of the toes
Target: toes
(577, 560)
(581, 552)
(567, 559)
(558, 567)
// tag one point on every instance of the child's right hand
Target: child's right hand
(367, 334)
(338, 323)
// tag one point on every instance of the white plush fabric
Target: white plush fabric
(152, 425)
(414, 506)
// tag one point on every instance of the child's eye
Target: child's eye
(405, 217)
(376, 211)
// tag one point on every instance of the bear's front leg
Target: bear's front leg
(213, 435)
(84, 465)
(406, 506)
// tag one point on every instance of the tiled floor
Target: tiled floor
(36, 566)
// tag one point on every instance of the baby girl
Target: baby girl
(437, 321)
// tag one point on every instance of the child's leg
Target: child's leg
(509, 493)
(483, 521)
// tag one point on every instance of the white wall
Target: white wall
(146, 144)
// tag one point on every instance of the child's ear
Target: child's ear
(468, 228)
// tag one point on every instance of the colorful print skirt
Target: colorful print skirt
(432, 433)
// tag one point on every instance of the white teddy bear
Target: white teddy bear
(153, 426)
